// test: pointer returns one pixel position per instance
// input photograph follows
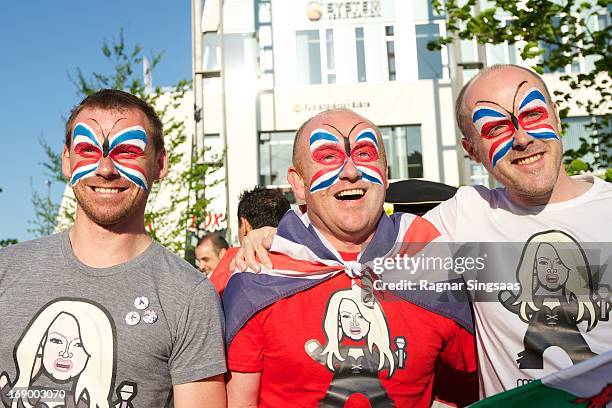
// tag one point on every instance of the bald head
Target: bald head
(462, 113)
(329, 118)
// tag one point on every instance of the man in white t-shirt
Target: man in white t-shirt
(560, 315)
(543, 229)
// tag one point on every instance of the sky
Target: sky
(41, 43)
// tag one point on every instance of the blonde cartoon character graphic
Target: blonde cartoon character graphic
(69, 341)
(556, 295)
(357, 349)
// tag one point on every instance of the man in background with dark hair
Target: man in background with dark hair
(259, 207)
(209, 251)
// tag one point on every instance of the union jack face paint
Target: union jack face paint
(327, 149)
(501, 126)
(122, 148)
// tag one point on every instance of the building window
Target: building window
(404, 151)
(429, 62)
(390, 40)
(275, 151)
(308, 57)
(360, 48)
(331, 61)
(577, 129)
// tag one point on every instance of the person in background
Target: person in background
(257, 208)
(209, 251)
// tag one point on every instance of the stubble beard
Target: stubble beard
(109, 213)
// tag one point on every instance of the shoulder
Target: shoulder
(173, 274)
(33, 248)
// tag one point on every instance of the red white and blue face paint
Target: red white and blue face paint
(326, 149)
(123, 149)
(501, 124)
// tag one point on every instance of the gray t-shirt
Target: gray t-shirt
(80, 336)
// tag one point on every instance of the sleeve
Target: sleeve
(245, 353)
(444, 217)
(198, 350)
(459, 351)
(456, 378)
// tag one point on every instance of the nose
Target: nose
(107, 168)
(66, 353)
(522, 139)
(350, 172)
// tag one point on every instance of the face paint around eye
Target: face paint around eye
(134, 140)
(533, 110)
(123, 148)
(320, 137)
(86, 146)
(325, 149)
(492, 124)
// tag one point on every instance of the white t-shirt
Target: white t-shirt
(533, 332)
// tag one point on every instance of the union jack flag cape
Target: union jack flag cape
(303, 258)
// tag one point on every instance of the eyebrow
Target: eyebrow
(516, 93)
(102, 130)
(496, 104)
(518, 88)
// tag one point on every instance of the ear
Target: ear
(222, 252)
(162, 165)
(469, 149)
(557, 117)
(244, 223)
(297, 183)
(66, 170)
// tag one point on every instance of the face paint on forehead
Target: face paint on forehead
(122, 148)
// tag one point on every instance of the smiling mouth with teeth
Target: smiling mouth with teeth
(354, 194)
(528, 160)
(106, 190)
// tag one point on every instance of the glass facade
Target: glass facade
(429, 62)
(390, 41)
(360, 48)
(275, 151)
(308, 57)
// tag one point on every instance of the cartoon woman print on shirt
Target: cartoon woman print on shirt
(70, 341)
(357, 349)
(556, 295)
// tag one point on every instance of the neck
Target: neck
(565, 189)
(347, 242)
(100, 246)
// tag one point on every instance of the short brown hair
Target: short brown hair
(463, 121)
(113, 99)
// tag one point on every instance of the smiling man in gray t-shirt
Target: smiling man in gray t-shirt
(99, 315)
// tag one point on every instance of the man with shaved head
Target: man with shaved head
(511, 125)
(310, 332)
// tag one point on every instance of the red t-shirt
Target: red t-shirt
(222, 272)
(320, 346)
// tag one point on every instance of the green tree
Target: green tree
(7, 241)
(178, 202)
(553, 34)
